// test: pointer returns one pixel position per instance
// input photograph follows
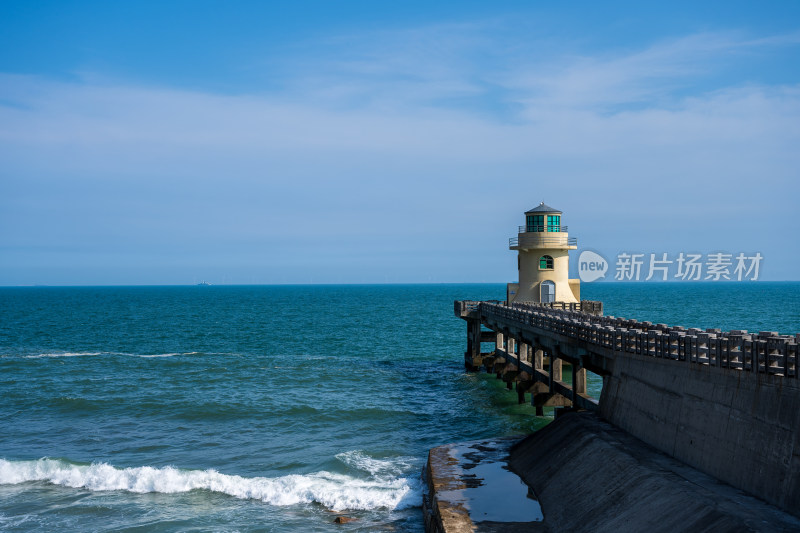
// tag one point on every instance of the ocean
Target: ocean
(268, 408)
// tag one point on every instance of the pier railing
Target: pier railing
(763, 352)
(584, 306)
(464, 307)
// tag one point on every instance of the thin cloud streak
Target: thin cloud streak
(652, 76)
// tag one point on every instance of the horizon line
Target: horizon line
(311, 284)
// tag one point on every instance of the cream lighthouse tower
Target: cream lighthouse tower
(543, 245)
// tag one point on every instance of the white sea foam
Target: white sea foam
(146, 356)
(335, 491)
(62, 354)
(173, 354)
(377, 467)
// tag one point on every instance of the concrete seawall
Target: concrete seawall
(583, 475)
(591, 476)
(740, 427)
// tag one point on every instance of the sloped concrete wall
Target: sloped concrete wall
(590, 476)
(740, 427)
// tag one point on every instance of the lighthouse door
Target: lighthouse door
(548, 292)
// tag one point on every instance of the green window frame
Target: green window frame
(534, 223)
(545, 263)
(554, 223)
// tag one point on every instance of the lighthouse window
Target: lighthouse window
(534, 223)
(545, 263)
(554, 223)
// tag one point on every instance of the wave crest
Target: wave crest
(337, 492)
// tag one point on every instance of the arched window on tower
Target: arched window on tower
(545, 263)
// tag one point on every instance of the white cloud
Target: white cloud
(400, 148)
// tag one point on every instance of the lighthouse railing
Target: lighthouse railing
(547, 228)
(543, 240)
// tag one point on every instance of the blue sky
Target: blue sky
(371, 142)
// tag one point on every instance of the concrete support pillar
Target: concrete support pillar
(555, 369)
(476, 339)
(499, 343)
(472, 357)
(524, 352)
(538, 360)
(578, 380)
(511, 346)
(470, 339)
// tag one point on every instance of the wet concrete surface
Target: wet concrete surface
(472, 489)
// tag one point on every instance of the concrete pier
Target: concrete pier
(725, 405)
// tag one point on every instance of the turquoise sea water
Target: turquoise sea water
(267, 408)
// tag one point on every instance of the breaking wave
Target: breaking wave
(338, 492)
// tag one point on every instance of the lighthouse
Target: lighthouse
(543, 246)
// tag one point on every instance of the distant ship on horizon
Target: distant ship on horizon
(204, 284)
